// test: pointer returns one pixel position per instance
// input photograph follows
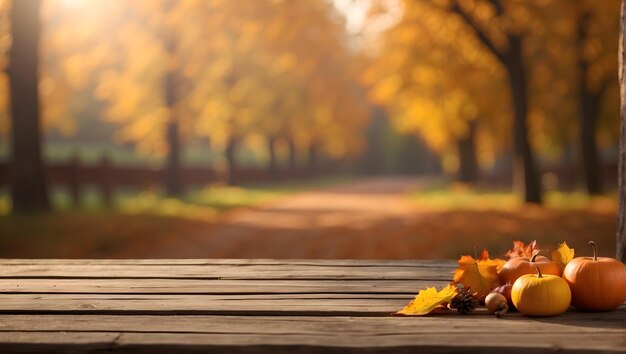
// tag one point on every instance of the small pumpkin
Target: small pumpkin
(516, 267)
(597, 283)
(541, 295)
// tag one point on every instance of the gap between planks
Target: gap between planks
(239, 262)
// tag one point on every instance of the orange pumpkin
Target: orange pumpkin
(597, 283)
(516, 267)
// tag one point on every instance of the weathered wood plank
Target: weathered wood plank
(225, 304)
(248, 306)
(276, 304)
(213, 286)
(120, 342)
(478, 322)
(57, 342)
(224, 272)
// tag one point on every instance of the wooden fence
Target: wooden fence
(107, 177)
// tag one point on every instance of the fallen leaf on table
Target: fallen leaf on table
(427, 300)
(563, 255)
(479, 275)
(520, 249)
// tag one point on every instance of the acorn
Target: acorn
(496, 304)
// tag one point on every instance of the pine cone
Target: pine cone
(464, 302)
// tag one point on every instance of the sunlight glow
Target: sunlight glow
(71, 3)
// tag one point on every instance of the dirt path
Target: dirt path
(363, 219)
(373, 218)
(324, 223)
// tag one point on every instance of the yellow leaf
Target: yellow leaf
(563, 255)
(481, 275)
(427, 300)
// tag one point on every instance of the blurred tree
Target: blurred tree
(28, 182)
(433, 80)
(173, 180)
(621, 213)
(279, 71)
(5, 46)
(503, 36)
(572, 75)
(596, 33)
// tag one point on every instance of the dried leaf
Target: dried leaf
(479, 275)
(427, 300)
(520, 249)
(563, 255)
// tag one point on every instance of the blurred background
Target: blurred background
(306, 128)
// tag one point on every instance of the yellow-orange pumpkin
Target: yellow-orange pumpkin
(516, 267)
(597, 283)
(541, 295)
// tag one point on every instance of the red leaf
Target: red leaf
(520, 249)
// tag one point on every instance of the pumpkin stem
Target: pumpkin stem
(539, 275)
(594, 247)
(535, 254)
(475, 252)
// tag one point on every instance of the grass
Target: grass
(205, 203)
(446, 196)
(139, 221)
(197, 203)
(91, 153)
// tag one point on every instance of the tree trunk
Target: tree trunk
(468, 165)
(621, 213)
(28, 182)
(173, 180)
(229, 153)
(589, 148)
(589, 105)
(313, 158)
(293, 160)
(272, 165)
(173, 173)
(525, 177)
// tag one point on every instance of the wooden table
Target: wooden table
(237, 306)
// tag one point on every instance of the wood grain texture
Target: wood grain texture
(214, 286)
(125, 342)
(225, 271)
(244, 305)
(477, 322)
(260, 306)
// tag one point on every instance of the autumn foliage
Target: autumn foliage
(479, 275)
(244, 72)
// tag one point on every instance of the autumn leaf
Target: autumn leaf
(563, 255)
(427, 300)
(480, 275)
(520, 249)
